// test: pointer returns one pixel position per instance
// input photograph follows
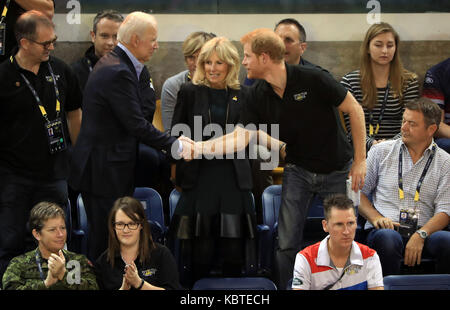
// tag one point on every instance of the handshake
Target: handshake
(189, 149)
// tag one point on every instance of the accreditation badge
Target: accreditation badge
(408, 222)
(55, 135)
(2, 38)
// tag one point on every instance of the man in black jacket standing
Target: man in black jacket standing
(104, 158)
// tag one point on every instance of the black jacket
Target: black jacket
(104, 157)
(193, 100)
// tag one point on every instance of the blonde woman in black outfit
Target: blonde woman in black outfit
(215, 216)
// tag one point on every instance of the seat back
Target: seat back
(417, 282)
(80, 233)
(244, 283)
(153, 205)
(173, 201)
(271, 202)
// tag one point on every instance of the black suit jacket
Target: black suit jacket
(105, 154)
(193, 100)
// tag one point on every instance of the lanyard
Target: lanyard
(38, 263)
(401, 194)
(5, 11)
(36, 97)
(380, 118)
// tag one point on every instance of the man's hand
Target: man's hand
(187, 145)
(358, 174)
(384, 222)
(413, 250)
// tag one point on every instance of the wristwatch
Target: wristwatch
(422, 233)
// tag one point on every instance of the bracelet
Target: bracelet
(141, 285)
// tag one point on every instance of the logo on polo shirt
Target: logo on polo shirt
(149, 272)
(50, 79)
(299, 97)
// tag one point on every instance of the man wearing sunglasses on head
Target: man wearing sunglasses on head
(40, 101)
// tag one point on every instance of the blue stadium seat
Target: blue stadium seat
(68, 220)
(80, 233)
(417, 282)
(244, 283)
(271, 201)
(173, 200)
(174, 245)
(153, 205)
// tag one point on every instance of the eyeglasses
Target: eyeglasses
(46, 44)
(121, 226)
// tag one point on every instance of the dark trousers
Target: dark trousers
(299, 188)
(390, 246)
(18, 195)
(97, 212)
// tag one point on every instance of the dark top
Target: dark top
(23, 140)
(14, 11)
(193, 103)
(161, 270)
(307, 116)
(104, 158)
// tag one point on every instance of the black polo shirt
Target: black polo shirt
(161, 270)
(307, 116)
(24, 146)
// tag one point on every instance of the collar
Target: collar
(289, 80)
(323, 257)
(90, 54)
(429, 148)
(136, 63)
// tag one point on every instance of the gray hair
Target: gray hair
(135, 23)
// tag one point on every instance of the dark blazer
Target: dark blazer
(104, 157)
(193, 100)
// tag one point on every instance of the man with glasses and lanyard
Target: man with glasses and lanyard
(409, 181)
(40, 100)
(10, 10)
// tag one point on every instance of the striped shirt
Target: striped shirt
(314, 269)
(382, 181)
(392, 118)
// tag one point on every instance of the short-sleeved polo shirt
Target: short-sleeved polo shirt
(307, 116)
(24, 146)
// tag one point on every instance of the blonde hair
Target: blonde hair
(264, 40)
(135, 23)
(227, 53)
(399, 77)
(195, 41)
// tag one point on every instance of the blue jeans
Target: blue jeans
(18, 195)
(390, 247)
(299, 188)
